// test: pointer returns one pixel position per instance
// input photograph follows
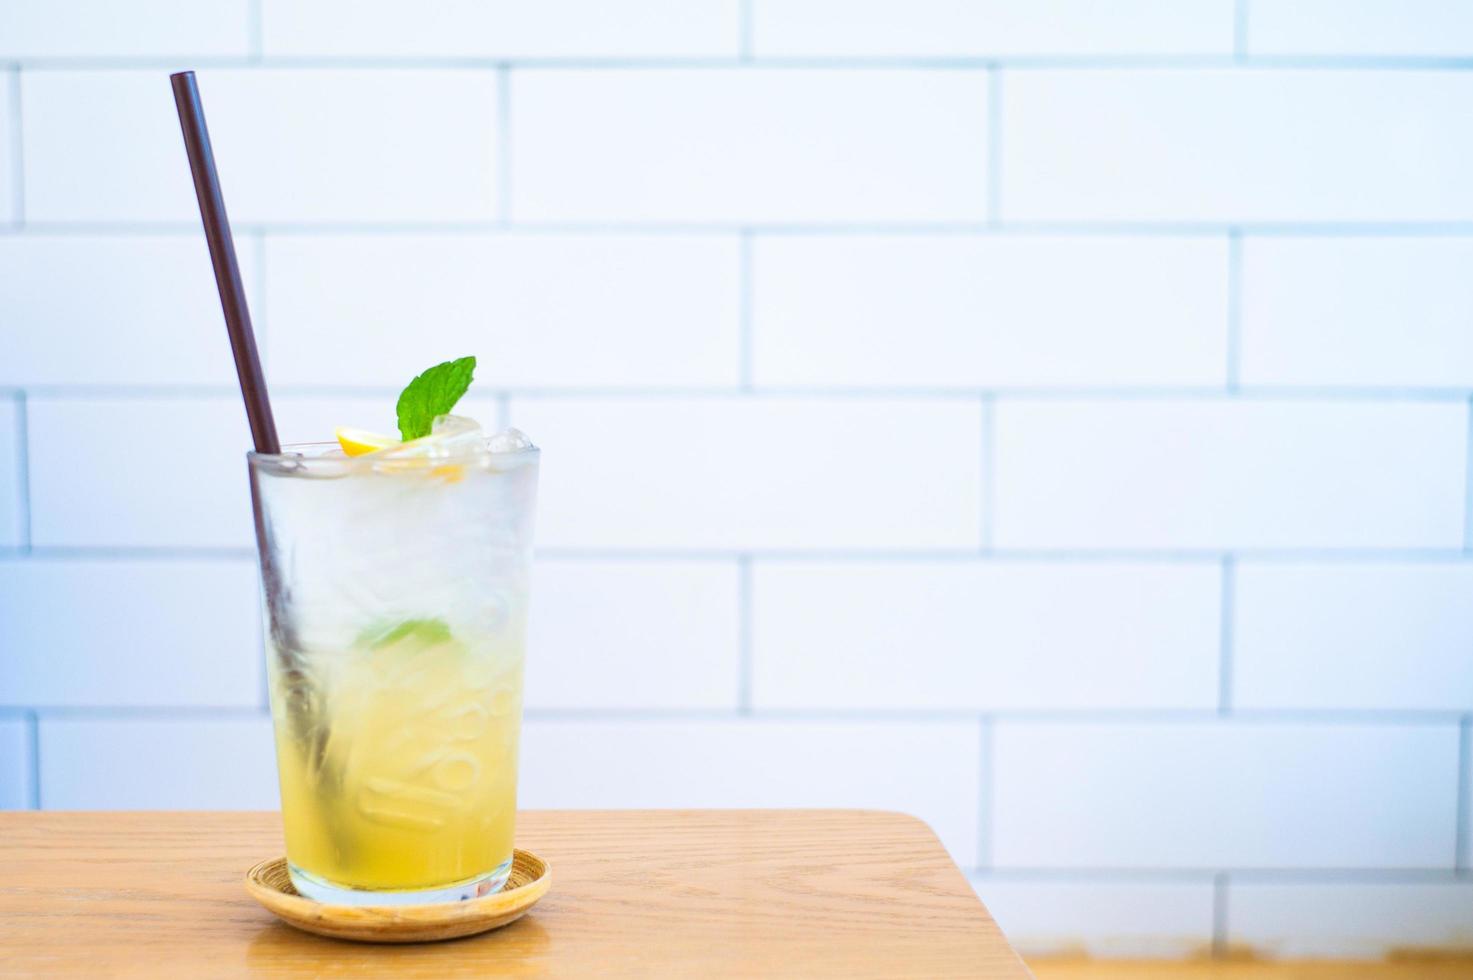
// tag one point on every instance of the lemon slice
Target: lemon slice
(357, 442)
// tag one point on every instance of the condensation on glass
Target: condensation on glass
(396, 596)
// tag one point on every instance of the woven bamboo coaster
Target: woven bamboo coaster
(269, 884)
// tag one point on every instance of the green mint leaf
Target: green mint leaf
(433, 393)
(425, 632)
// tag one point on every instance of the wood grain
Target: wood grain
(785, 893)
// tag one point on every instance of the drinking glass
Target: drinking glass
(395, 593)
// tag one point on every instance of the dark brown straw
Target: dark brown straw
(222, 257)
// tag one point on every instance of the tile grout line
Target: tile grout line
(994, 146)
(1227, 602)
(256, 31)
(795, 228)
(1462, 859)
(33, 729)
(175, 712)
(988, 463)
(819, 716)
(856, 62)
(189, 553)
(259, 321)
(17, 152)
(745, 16)
(1061, 393)
(1125, 873)
(1234, 310)
(960, 554)
(503, 143)
(985, 789)
(1240, 31)
(1220, 916)
(1468, 484)
(23, 469)
(744, 635)
(745, 289)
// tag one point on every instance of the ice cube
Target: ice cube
(509, 441)
(453, 435)
(453, 425)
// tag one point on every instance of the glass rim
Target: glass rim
(308, 454)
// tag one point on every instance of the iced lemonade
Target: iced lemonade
(396, 581)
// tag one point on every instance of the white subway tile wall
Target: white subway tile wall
(548, 310)
(1315, 918)
(17, 779)
(997, 28)
(502, 28)
(150, 472)
(14, 532)
(132, 633)
(731, 472)
(139, 28)
(635, 635)
(1427, 28)
(1385, 637)
(118, 762)
(1166, 919)
(985, 635)
(10, 188)
(950, 311)
(1357, 312)
(1050, 419)
(1222, 472)
(294, 145)
(1465, 800)
(761, 763)
(1232, 146)
(1207, 794)
(154, 293)
(757, 145)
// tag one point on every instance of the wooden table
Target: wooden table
(661, 893)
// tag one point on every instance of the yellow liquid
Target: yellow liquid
(398, 761)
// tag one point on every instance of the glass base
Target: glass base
(320, 890)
